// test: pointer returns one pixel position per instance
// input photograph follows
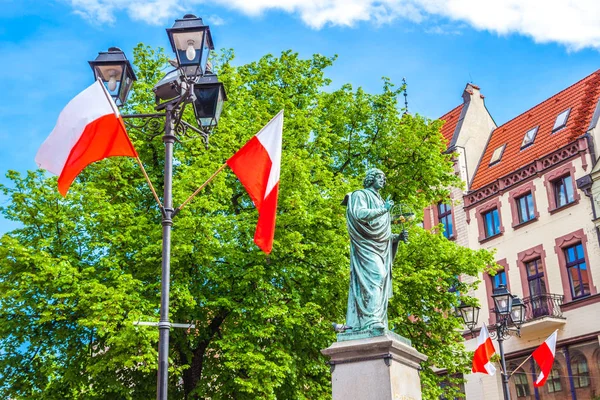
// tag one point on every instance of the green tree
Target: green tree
(82, 269)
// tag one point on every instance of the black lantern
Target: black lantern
(210, 95)
(191, 42)
(470, 315)
(502, 300)
(517, 314)
(115, 71)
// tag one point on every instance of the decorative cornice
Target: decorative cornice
(535, 168)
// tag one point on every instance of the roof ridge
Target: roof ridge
(551, 97)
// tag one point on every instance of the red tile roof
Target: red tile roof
(581, 98)
(451, 120)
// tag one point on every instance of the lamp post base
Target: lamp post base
(384, 367)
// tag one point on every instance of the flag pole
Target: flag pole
(109, 98)
(148, 180)
(520, 365)
(219, 170)
(201, 187)
(137, 157)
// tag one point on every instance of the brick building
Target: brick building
(532, 194)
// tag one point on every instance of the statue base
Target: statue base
(382, 367)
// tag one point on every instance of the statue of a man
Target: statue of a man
(372, 251)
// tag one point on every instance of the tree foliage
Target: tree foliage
(82, 269)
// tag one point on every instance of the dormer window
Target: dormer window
(497, 154)
(529, 137)
(561, 120)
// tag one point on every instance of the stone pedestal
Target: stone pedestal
(383, 367)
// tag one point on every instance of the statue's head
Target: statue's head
(372, 174)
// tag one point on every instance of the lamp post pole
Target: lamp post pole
(164, 325)
(507, 308)
(192, 82)
(500, 337)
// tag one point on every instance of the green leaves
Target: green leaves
(80, 270)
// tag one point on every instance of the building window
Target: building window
(521, 384)
(563, 191)
(525, 208)
(537, 287)
(577, 271)
(553, 382)
(529, 137)
(535, 277)
(445, 218)
(491, 220)
(561, 120)
(581, 373)
(497, 155)
(498, 279)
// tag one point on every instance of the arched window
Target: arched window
(521, 383)
(580, 370)
(553, 383)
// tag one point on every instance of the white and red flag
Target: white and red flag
(483, 353)
(88, 129)
(257, 166)
(544, 357)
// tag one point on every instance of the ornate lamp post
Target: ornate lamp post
(190, 83)
(508, 308)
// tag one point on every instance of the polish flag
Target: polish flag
(88, 129)
(483, 353)
(544, 357)
(257, 166)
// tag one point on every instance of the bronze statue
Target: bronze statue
(372, 251)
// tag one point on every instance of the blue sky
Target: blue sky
(519, 54)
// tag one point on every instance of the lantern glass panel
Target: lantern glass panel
(503, 301)
(220, 102)
(517, 313)
(470, 315)
(205, 54)
(111, 76)
(208, 104)
(184, 43)
(125, 88)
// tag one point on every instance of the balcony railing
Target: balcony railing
(544, 305)
(537, 307)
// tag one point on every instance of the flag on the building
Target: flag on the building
(257, 165)
(88, 129)
(544, 357)
(483, 353)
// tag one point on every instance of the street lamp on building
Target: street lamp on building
(193, 83)
(510, 315)
(469, 314)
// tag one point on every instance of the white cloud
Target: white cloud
(154, 12)
(573, 23)
(444, 29)
(214, 20)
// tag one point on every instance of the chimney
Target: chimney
(471, 91)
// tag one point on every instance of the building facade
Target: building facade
(532, 191)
